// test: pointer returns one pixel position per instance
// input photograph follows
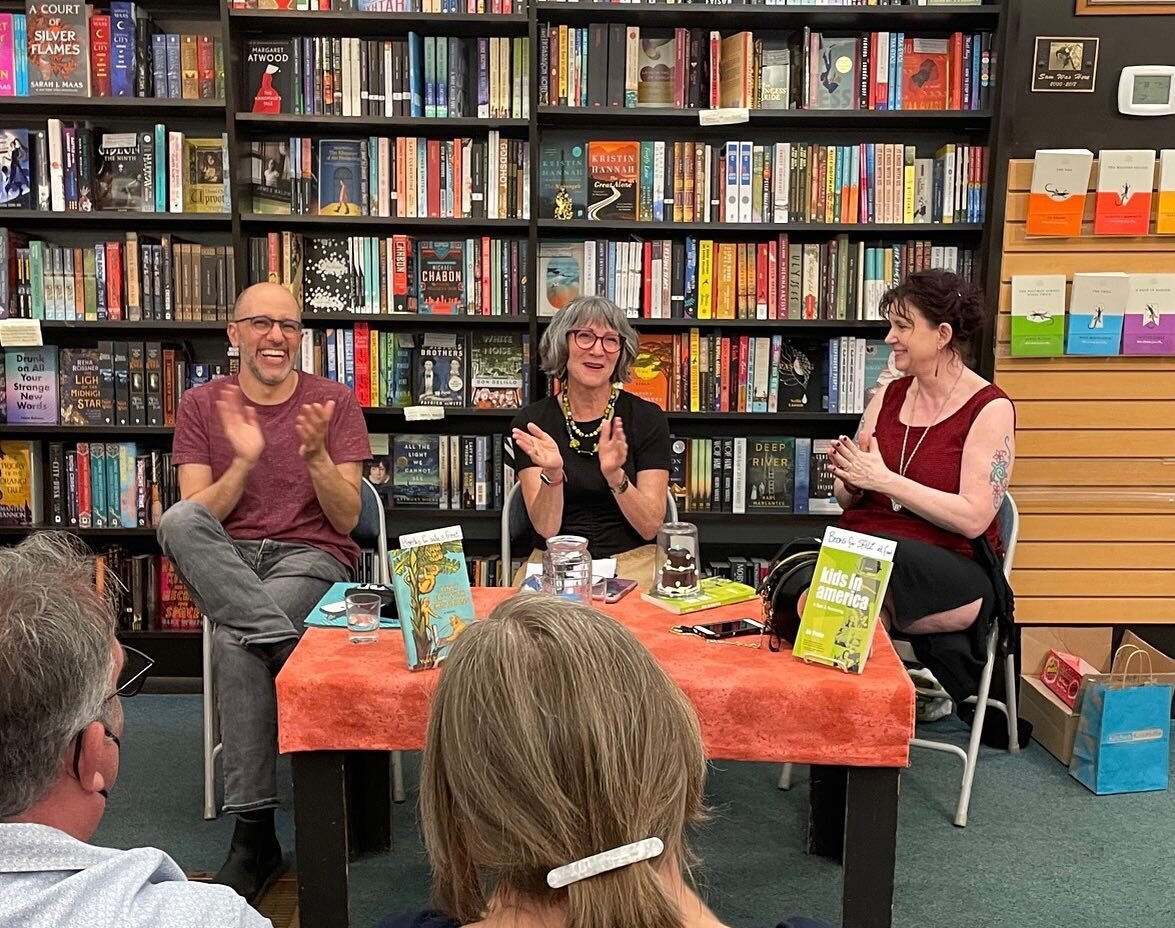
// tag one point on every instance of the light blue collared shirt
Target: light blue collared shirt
(51, 880)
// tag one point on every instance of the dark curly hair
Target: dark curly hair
(940, 296)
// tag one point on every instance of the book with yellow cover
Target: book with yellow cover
(1165, 223)
(1056, 199)
(713, 592)
(848, 587)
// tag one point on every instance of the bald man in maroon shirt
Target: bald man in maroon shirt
(270, 463)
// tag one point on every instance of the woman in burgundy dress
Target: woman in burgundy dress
(931, 462)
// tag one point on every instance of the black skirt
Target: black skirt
(927, 579)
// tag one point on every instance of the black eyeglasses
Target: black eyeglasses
(135, 668)
(262, 324)
(585, 340)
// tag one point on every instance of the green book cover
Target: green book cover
(1038, 315)
(848, 587)
(713, 592)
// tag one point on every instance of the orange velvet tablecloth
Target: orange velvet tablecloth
(754, 704)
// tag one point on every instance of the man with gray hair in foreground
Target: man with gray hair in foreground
(62, 673)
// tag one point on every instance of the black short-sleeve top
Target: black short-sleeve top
(589, 507)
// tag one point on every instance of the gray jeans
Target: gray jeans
(255, 593)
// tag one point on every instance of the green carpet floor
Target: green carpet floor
(1040, 850)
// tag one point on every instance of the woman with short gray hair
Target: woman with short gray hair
(594, 459)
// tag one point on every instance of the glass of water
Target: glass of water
(363, 617)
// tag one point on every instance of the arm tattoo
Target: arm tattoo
(1001, 461)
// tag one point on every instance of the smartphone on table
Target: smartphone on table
(612, 590)
(733, 628)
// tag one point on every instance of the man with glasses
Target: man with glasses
(62, 677)
(270, 463)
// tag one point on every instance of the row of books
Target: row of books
(618, 65)
(394, 6)
(116, 383)
(1108, 313)
(395, 274)
(704, 279)
(72, 167)
(752, 475)
(818, 3)
(429, 471)
(72, 49)
(405, 177)
(150, 595)
(88, 485)
(747, 182)
(421, 76)
(697, 371)
(479, 370)
(136, 278)
(1123, 200)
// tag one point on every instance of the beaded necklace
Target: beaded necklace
(577, 438)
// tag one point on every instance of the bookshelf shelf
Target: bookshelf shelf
(16, 428)
(138, 325)
(450, 413)
(275, 22)
(744, 417)
(796, 326)
(773, 16)
(925, 120)
(415, 320)
(112, 534)
(868, 229)
(116, 219)
(258, 123)
(375, 223)
(158, 634)
(121, 107)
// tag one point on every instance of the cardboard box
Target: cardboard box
(1062, 674)
(1053, 723)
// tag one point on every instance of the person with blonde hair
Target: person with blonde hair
(560, 770)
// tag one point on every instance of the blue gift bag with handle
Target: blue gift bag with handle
(1123, 740)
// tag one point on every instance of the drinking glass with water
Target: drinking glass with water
(362, 617)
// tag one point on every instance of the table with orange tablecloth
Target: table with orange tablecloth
(753, 705)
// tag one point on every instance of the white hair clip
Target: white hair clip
(604, 861)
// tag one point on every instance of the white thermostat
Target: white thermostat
(1147, 90)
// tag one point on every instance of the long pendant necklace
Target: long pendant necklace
(903, 464)
(577, 438)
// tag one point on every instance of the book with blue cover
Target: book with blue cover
(1097, 306)
(431, 583)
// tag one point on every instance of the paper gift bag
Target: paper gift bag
(1123, 733)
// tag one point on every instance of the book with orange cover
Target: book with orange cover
(1056, 198)
(653, 369)
(1125, 182)
(1165, 221)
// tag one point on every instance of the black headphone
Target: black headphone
(789, 575)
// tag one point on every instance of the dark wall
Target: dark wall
(1080, 120)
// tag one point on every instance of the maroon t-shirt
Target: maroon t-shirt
(279, 501)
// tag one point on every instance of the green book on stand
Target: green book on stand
(713, 592)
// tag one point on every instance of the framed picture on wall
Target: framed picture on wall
(1064, 64)
(1125, 7)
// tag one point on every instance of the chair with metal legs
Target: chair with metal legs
(1009, 521)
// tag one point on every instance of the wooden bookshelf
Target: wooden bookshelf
(758, 534)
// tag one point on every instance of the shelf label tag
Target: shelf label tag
(423, 413)
(724, 117)
(20, 333)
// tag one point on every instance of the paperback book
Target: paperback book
(1097, 307)
(431, 583)
(1149, 327)
(712, 593)
(1056, 198)
(1124, 184)
(848, 587)
(1038, 315)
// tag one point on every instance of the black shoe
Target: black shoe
(254, 860)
